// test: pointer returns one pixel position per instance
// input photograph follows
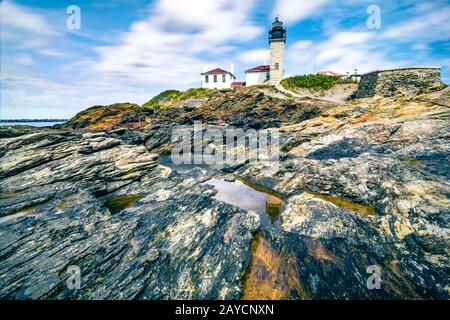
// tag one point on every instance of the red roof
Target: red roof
(216, 71)
(259, 69)
(331, 72)
(238, 84)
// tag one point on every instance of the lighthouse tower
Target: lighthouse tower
(277, 40)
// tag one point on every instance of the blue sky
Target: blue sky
(128, 51)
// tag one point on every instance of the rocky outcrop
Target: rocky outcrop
(399, 82)
(100, 118)
(366, 189)
(364, 184)
(242, 107)
(135, 230)
(333, 248)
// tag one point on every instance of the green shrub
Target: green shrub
(167, 98)
(163, 98)
(194, 93)
(313, 82)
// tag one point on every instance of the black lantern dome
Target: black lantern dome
(277, 33)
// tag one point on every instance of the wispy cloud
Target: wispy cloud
(342, 52)
(21, 18)
(256, 56)
(292, 11)
(431, 25)
(23, 28)
(48, 71)
(25, 60)
(171, 48)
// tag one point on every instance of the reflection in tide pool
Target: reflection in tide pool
(242, 195)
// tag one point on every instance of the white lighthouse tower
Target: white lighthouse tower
(277, 41)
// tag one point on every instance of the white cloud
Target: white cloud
(171, 48)
(17, 17)
(292, 11)
(301, 45)
(429, 26)
(256, 56)
(167, 48)
(34, 97)
(51, 53)
(24, 32)
(24, 29)
(342, 52)
(24, 59)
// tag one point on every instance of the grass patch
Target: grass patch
(167, 98)
(195, 93)
(313, 82)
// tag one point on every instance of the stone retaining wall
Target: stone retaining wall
(397, 82)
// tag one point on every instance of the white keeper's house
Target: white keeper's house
(217, 79)
(257, 75)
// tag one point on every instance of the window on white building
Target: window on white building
(224, 78)
(215, 78)
(206, 79)
(267, 76)
(277, 66)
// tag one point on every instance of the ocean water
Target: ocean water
(31, 123)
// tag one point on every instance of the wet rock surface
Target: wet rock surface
(169, 243)
(365, 193)
(363, 184)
